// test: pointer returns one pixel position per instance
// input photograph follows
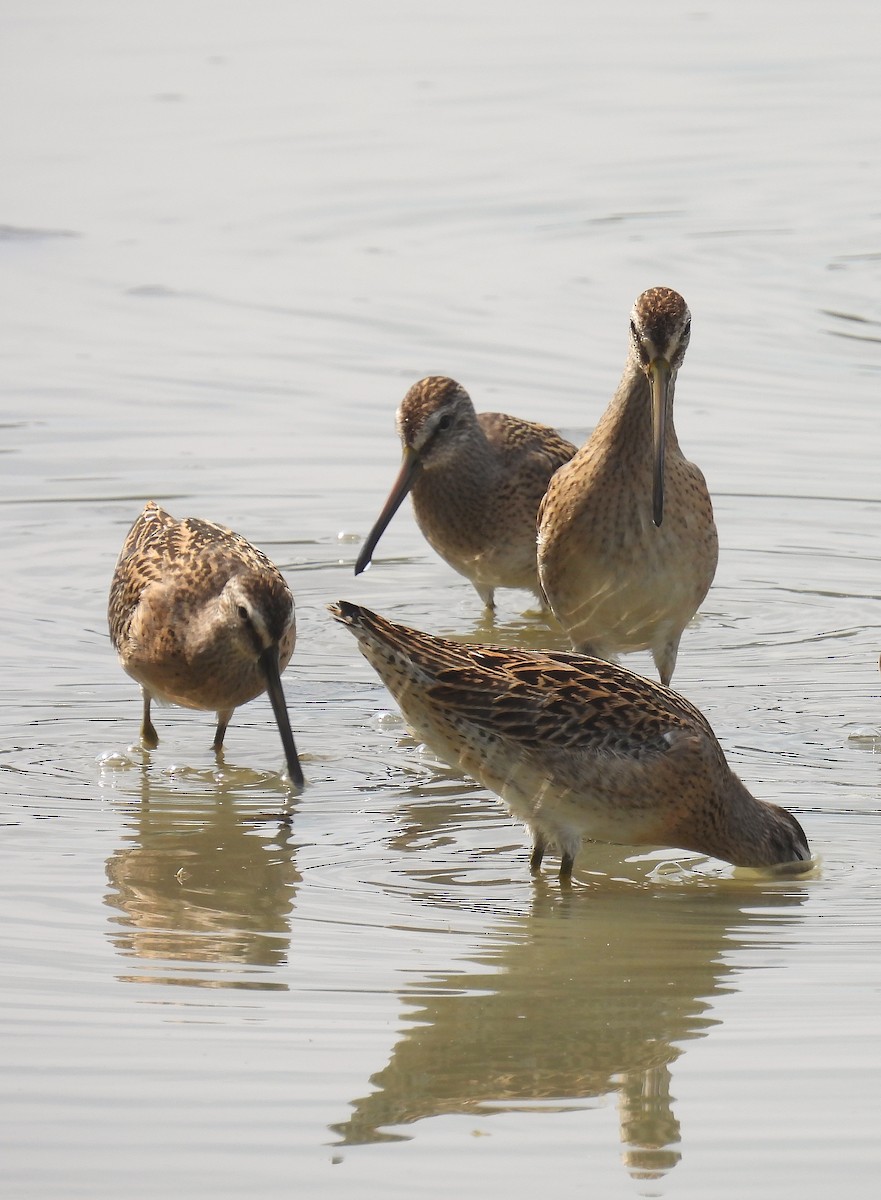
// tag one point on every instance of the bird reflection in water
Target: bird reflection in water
(591, 994)
(206, 885)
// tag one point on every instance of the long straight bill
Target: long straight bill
(659, 377)
(269, 663)
(400, 488)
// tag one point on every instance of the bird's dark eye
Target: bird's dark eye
(445, 422)
(243, 612)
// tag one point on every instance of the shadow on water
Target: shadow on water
(588, 995)
(204, 881)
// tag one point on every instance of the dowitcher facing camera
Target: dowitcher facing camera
(627, 544)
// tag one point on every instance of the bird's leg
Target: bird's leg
(665, 657)
(538, 853)
(594, 650)
(149, 736)
(488, 596)
(223, 719)
(567, 862)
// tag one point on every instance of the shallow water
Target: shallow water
(228, 247)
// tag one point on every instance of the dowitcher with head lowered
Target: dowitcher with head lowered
(202, 618)
(627, 544)
(581, 749)
(476, 480)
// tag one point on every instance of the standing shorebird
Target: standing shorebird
(578, 747)
(627, 544)
(202, 618)
(477, 480)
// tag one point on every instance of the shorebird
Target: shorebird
(579, 748)
(476, 480)
(202, 618)
(627, 544)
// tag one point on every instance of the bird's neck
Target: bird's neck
(747, 832)
(463, 478)
(627, 422)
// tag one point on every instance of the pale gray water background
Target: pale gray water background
(232, 236)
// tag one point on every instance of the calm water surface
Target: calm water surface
(230, 240)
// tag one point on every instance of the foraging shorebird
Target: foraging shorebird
(579, 748)
(202, 618)
(627, 544)
(476, 480)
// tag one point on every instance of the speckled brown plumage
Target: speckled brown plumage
(627, 544)
(580, 748)
(476, 481)
(200, 617)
